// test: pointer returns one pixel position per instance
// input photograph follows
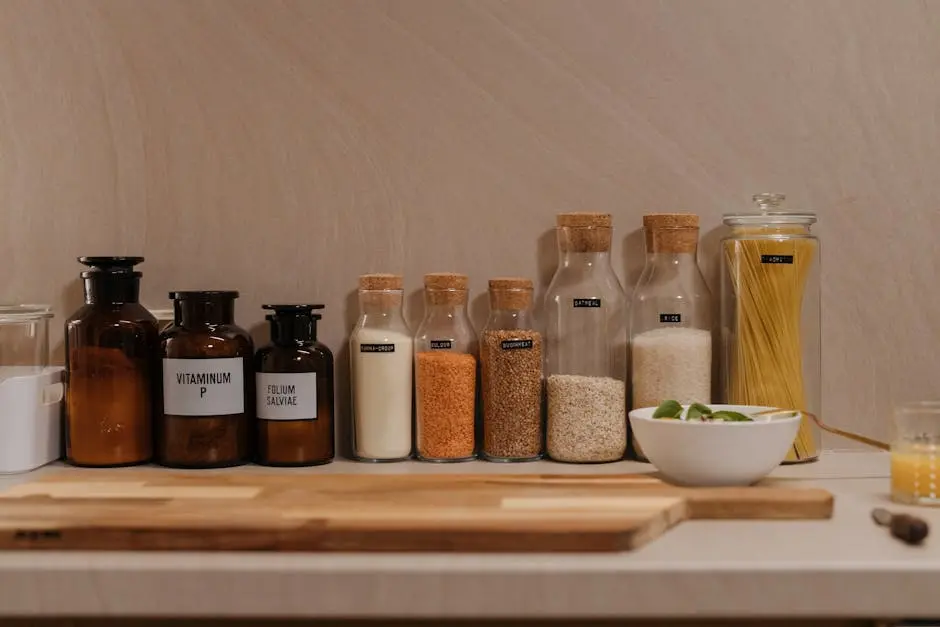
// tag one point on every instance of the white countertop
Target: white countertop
(844, 567)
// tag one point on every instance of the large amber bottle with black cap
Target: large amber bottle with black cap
(111, 360)
(294, 386)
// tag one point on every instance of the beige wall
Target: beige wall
(283, 148)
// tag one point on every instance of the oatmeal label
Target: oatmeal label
(376, 348)
(514, 345)
(286, 395)
(664, 318)
(204, 387)
(586, 302)
(776, 259)
(437, 345)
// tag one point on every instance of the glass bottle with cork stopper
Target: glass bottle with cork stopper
(670, 318)
(445, 372)
(111, 356)
(770, 315)
(207, 383)
(294, 389)
(586, 352)
(381, 349)
(511, 374)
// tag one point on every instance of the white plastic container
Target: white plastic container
(30, 390)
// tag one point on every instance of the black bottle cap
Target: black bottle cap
(111, 279)
(204, 295)
(293, 324)
(118, 266)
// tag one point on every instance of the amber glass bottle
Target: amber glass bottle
(207, 384)
(111, 349)
(294, 383)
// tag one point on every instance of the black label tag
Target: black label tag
(376, 348)
(586, 302)
(441, 344)
(776, 258)
(670, 318)
(512, 345)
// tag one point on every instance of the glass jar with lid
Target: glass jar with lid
(586, 345)
(381, 349)
(770, 315)
(511, 374)
(30, 390)
(207, 384)
(670, 319)
(111, 352)
(445, 372)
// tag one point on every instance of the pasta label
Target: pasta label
(776, 259)
(586, 302)
(674, 317)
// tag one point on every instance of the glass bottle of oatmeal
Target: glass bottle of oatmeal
(294, 389)
(445, 372)
(587, 345)
(111, 360)
(207, 384)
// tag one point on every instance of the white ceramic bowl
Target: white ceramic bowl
(715, 453)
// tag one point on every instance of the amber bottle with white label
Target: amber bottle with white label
(207, 384)
(294, 386)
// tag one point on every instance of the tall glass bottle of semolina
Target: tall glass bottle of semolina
(381, 360)
(511, 374)
(770, 315)
(586, 345)
(670, 319)
(445, 372)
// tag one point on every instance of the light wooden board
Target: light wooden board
(160, 510)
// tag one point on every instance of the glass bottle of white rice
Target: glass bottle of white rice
(670, 319)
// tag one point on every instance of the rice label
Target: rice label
(512, 345)
(204, 387)
(664, 318)
(286, 395)
(776, 259)
(437, 345)
(586, 302)
(376, 348)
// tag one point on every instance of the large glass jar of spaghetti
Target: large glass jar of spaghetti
(445, 372)
(770, 315)
(586, 339)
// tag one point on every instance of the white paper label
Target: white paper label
(286, 395)
(204, 387)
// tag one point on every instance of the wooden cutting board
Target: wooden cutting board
(163, 510)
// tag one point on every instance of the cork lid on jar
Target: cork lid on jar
(584, 232)
(671, 232)
(446, 288)
(375, 282)
(510, 293)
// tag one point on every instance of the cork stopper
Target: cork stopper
(671, 232)
(381, 282)
(584, 232)
(446, 288)
(510, 293)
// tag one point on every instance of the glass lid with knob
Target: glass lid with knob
(770, 211)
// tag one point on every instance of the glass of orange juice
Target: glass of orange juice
(915, 454)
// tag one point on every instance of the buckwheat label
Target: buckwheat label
(513, 345)
(441, 345)
(376, 348)
(286, 395)
(586, 302)
(204, 387)
(666, 317)
(776, 258)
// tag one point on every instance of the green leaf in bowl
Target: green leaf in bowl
(668, 409)
(697, 410)
(731, 416)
